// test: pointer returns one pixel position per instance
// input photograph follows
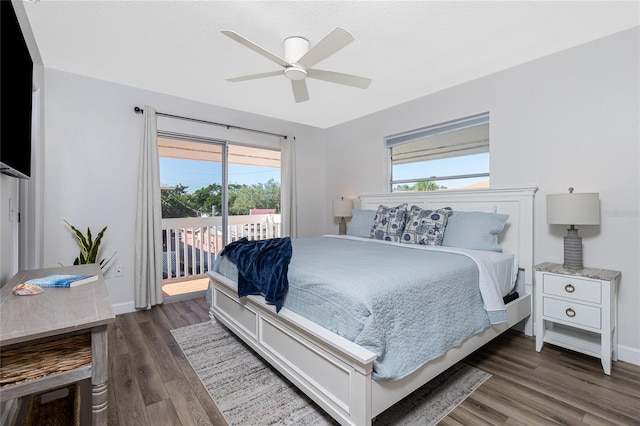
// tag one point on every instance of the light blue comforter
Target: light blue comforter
(407, 306)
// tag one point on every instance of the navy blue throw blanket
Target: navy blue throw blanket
(262, 267)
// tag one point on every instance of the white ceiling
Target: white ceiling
(408, 49)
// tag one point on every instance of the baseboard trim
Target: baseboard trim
(628, 354)
(128, 307)
(123, 308)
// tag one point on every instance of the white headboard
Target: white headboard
(517, 236)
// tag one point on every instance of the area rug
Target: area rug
(248, 391)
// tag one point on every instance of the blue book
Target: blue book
(62, 281)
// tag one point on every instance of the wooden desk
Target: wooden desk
(55, 313)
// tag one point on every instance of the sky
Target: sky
(199, 174)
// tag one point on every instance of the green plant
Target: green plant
(89, 247)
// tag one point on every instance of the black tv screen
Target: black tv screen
(16, 82)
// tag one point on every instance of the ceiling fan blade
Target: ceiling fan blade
(337, 77)
(300, 92)
(334, 41)
(254, 76)
(251, 45)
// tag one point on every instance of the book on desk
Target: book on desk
(62, 280)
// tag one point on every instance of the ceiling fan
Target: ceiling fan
(299, 59)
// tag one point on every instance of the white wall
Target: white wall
(91, 151)
(569, 119)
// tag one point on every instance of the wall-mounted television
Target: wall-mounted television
(16, 93)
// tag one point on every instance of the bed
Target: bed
(346, 376)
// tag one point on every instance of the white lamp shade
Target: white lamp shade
(573, 209)
(342, 208)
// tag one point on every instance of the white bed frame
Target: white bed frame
(335, 372)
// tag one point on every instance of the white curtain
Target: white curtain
(288, 199)
(148, 251)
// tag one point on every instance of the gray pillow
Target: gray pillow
(361, 222)
(474, 230)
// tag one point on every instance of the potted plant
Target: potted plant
(89, 247)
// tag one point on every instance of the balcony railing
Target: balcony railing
(190, 244)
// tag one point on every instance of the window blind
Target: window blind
(466, 136)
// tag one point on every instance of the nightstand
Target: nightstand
(577, 310)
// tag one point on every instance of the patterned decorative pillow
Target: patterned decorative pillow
(389, 223)
(425, 226)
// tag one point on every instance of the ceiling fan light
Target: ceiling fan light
(294, 48)
(295, 73)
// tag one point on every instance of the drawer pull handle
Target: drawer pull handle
(569, 288)
(570, 313)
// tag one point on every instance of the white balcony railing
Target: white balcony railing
(190, 244)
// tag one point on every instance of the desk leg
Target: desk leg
(99, 375)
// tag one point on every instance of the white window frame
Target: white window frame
(445, 151)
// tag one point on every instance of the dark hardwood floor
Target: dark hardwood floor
(152, 383)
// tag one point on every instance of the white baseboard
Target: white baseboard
(128, 307)
(123, 308)
(628, 354)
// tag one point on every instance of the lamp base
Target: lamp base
(572, 250)
(342, 230)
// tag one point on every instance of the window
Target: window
(449, 155)
(194, 183)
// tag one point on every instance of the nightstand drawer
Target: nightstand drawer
(575, 313)
(573, 288)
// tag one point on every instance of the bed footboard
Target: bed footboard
(331, 370)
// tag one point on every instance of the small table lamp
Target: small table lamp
(342, 208)
(573, 209)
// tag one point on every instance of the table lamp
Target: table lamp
(573, 209)
(342, 208)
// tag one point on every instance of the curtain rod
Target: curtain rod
(139, 110)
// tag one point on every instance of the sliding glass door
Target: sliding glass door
(213, 192)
